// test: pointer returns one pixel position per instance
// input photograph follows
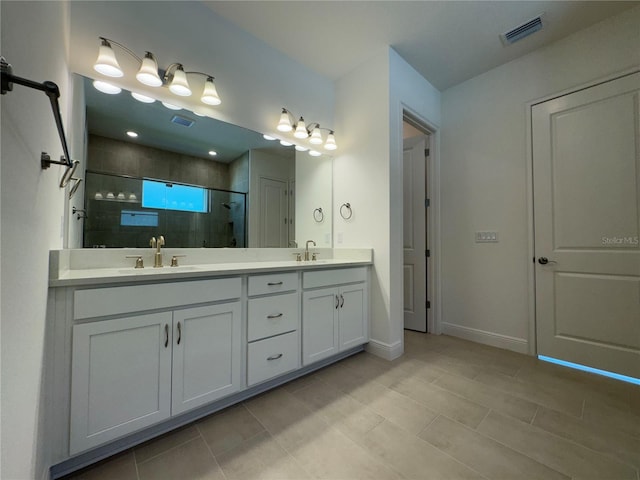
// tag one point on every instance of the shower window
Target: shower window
(171, 196)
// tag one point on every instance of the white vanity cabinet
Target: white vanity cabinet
(334, 312)
(136, 370)
(273, 326)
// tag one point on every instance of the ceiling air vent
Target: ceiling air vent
(185, 122)
(521, 31)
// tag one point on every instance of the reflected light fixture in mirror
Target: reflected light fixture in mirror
(148, 73)
(106, 87)
(171, 106)
(142, 98)
(312, 131)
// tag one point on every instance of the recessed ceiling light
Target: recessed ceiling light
(268, 137)
(106, 87)
(300, 148)
(171, 106)
(142, 98)
(284, 143)
(213, 153)
(132, 134)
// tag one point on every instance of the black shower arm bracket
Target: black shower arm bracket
(52, 91)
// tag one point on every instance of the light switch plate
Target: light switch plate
(486, 237)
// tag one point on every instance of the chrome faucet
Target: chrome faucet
(306, 250)
(157, 244)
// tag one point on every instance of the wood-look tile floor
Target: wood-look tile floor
(448, 409)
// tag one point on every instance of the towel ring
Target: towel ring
(74, 189)
(68, 173)
(346, 206)
(318, 215)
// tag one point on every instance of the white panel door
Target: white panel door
(319, 324)
(206, 355)
(120, 379)
(273, 213)
(352, 316)
(586, 159)
(415, 261)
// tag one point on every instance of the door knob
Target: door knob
(545, 261)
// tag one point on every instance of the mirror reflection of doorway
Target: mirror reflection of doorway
(415, 223)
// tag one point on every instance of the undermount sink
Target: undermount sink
(150, 270)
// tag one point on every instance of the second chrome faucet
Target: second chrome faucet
(306, 250)
(157, 244)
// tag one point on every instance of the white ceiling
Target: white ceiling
(448, 42)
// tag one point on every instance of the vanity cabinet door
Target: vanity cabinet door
(206, 355)
(319, 324)
(352, 314)
(120, 379)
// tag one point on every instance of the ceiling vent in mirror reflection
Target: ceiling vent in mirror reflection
(184, 121)
(174, 76)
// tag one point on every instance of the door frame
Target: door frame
(432, 186)
(531, 270)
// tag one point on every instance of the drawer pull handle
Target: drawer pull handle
(271, 284)
(179, 333)
(341, 301)
(337, 302)
(166, 335)
(274, 357)
(275, 316)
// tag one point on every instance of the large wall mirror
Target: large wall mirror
(153, 169)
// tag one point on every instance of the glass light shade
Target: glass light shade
(300, 148)
(210, 94)
(142, 98)
(171, 106)
(330, 144)
(268, 137)
(301, 129)
(199, 114)
(284, 143)
(316, 137)
(148, 73)
(179, 84)
(106, 87)
(106, 62)
(314, 153)
(284, 125)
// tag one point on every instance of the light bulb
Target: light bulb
(106, 62)
(316, 136)
(330, 144)
(179, 84)
(314, 153)
(301, 129)
(284, 125)
(106, 87)
(210, 94)
(171, 106)
(142, 98)
(148, 73)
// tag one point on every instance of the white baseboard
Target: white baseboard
(385, 350)
(515, 344)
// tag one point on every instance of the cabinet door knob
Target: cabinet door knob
(275, 357)
(179, 333)
(166, 335)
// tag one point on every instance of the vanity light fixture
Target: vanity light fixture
(268, 137)
(174, 76)
(314, 153)
(312, 131)
(284, 143)
(171, 106)
(300, 148)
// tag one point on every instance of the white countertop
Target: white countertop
(87, 266)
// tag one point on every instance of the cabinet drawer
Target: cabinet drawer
(273, 283)
(272, 357)
(97, 302)
(273, 315)
(325, 278)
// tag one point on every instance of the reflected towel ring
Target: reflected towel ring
(73, 189)
(68, 173)
(346, 206)
(318, 215)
